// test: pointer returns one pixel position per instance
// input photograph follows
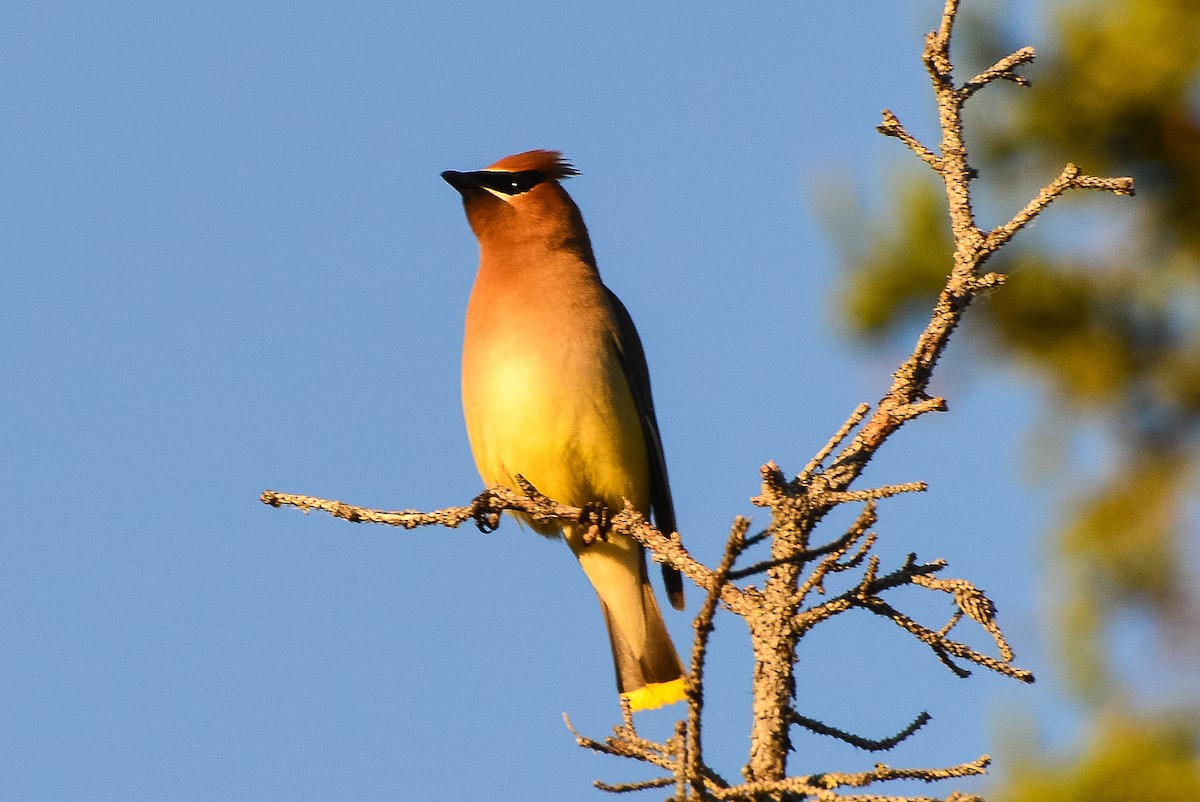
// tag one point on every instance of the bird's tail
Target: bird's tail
(649, 673)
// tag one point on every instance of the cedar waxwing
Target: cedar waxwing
(555, 388)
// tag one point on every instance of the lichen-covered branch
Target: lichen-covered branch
(1069, 178)
(866, 744)
(486, 507)
(907, 396)
(694, 773)
(823, 786)
(1004, 69)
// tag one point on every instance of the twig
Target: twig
(972, 246)
(891, 126)
(866, 744)
(887, 491)
(663, 548)
(944, 647)
(625, 788)
(1004, 69)
(681, 758)
(855, 418)
(703, 626)
(866, 519)
(883, 773)
(1069, 178)
(972, 602)
(625, 745)
(817, 784)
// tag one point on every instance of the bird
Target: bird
(555, 390)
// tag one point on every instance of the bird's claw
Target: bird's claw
(486, 520)
(598, 520)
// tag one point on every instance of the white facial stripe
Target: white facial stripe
(500, 195)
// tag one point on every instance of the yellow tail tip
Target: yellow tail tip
(655, 695)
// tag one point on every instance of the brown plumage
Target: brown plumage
(549, 162)
(555, 388)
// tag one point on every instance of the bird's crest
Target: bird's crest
(549, 163)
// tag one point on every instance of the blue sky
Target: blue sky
(230, 265)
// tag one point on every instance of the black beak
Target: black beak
(460, 181)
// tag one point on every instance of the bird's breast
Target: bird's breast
(545, 396)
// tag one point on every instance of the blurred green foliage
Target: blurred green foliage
(1104, 311)
(1126, 758)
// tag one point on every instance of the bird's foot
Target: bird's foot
(487, 519)
(598, 520)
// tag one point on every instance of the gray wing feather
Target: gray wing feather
(633, 359)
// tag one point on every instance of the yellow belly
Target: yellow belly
(568, 425)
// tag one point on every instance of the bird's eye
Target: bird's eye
(523, 182)
(510, 183)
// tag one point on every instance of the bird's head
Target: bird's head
(518, 201)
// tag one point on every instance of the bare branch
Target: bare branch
(681, 760)
(887, 491)
(867, 590)
(834, 563)
(1069, 178)
(944, 647)
(625, 788)
(866, 744)
(408, 519)
(625, 744)
(855, 418)
(882, 773)
(670, 550)
(866, 519)
(980, 284)
(694, 751)
(918, 408)
(972, 246)
(819, 785)
(972, 602)
(663, 548)
(1004, 69)
(891, 126)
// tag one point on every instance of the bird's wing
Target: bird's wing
(633, 360)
